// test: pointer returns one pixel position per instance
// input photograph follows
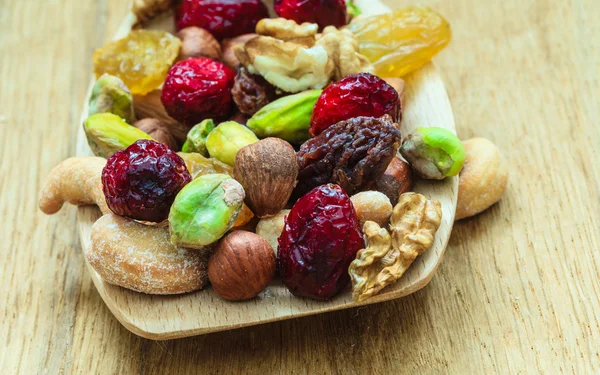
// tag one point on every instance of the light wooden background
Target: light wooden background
(517, 290)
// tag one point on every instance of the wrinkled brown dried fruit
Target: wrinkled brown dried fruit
(268, 171)
(386, 258)
(397, 180)
(352, 153)
(251, 92)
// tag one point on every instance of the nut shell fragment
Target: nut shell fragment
(386, 258)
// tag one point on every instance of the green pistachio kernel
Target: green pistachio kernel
(224, 142)
(204, 210)
(196, 137)
(110, 95)
(434, 153)
(287, 118)
(108, 133)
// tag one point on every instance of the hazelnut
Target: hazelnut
(158, 130)
(267, 170)
(242, 266)
(228, 56)
(372, 206)
(197, 42)
(396, 180)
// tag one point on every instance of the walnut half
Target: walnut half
(386, 258)
(295, 58)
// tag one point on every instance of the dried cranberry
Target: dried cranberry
(320, 239)
(355, 95)
(322, 12)
(142, 181)
(196, 89)
(223, 18)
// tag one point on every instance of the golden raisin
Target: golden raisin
(141, 59)
(400, 42)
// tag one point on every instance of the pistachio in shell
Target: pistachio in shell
(287, 118)
(111, 95)
(434, 153)
(204, 210)
(268, 171)
(108, 133)
(196, 137)
(224, 142)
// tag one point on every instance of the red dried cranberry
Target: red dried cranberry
(223, 18)
(319, 241)
(142, 181)
(355, 95)
(322, 12)
(196, 89)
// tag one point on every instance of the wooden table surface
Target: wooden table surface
(518, 288)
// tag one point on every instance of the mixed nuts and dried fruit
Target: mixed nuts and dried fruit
(245, 148)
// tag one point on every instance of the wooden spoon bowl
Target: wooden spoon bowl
(167, 317)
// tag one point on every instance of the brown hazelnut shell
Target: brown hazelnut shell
(158, 130)
(268, 171)
(242, 266)
(396, 180)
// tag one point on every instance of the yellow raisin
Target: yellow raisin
(141, 60)
(199, 165)
(400, 42)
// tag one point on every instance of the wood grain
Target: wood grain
(517, 291)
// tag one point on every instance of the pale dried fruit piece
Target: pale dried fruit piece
(483, 179)
(110, 94)
(141, 258)
(141, 59)
(372, 206)
(107, 133)
(270, 228)
(401, 41)
(414, 221)
(76, 180)
(199, 165)
(242, 266)
(434, 153)
(204, 210)
(268, 171)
